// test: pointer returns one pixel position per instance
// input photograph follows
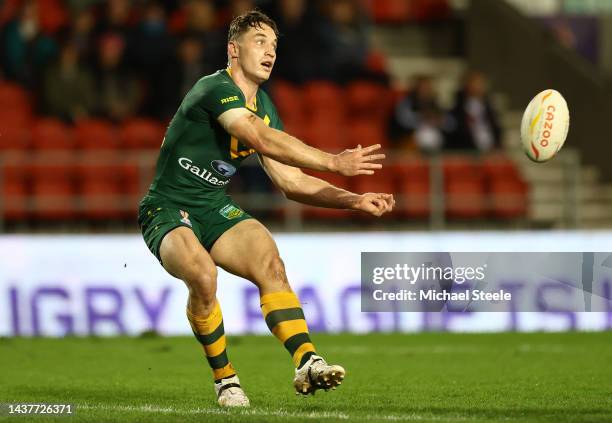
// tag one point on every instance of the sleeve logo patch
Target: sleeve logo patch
(229, 99)
(230, 212)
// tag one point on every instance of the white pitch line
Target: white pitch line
(214, 411)
(254, 412)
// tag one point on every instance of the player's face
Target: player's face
(258, 53)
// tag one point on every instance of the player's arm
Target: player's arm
(306, 189)
(282, 147)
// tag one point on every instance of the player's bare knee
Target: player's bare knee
(203, 286)
(273, 272)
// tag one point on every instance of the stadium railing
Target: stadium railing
(45, 189)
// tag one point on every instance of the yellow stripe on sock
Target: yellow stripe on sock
(303, 349)
(224, 372)
(216, 347)
(278, 301)
(288, 328)
(206, 325)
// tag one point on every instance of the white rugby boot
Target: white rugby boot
(317, 374)
(230, 394)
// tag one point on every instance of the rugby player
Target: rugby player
(192, 226)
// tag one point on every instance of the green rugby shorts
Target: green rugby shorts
(208, 222)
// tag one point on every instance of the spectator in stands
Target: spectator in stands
(152, 51)
(296, 51)
(418, 120)
(117, 17)
(82, 33)
(342, 34)
(239, 7)
(24, 49)
(182, 74)
(474, 120)
(202, 22)
(68, 86)
(119, 92)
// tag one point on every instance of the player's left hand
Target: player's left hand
(375, 204)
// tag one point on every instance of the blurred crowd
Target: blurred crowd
(418, 122)
(119, 58)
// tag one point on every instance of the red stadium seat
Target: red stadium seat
(465, 198)
(14, 192)
(14, 138)
(288, 100)
(141, 133)
(323, 98)
(389, 10)
(509, 198)
(423, 10)
(15, 98)
(15, 117)
(460, 166)
(54, 194)
(499, 165)
(100, 191)
(297, 127)
(52, 15)
(95, 134)
(52, 134)
(325, 134)
(414, 188)
(464, 187)
(382, 181)
(365, 133)
(367, 100)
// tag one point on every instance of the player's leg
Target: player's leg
(248, 250)
(183, 257)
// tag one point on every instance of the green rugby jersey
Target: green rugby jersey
(198, 157)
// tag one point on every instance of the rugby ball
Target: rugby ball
(544, 126)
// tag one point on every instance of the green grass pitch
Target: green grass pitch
(435, 377)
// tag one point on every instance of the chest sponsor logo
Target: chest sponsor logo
(203, 174)
(230, 212)
(223, 168)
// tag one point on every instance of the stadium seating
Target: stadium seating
(288, 100)
(413, 188)
(14, 192)
(51, 134)
(99, 191)
(54, 193)
(141, 134)
(96, 134)
(13, 97)
(464, 187)
(508, 192)
(14, 137)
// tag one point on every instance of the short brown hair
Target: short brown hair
(253, 19)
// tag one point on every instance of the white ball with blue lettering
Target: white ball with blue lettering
(545, 126)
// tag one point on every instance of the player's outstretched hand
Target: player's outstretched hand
(358, 161)
(375, 204)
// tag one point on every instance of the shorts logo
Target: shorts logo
(223, 168)
(185, 218)
(230, 212)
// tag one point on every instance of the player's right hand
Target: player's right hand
(358, 161)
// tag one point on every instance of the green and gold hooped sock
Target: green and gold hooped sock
(285, 318)
(210, 333)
